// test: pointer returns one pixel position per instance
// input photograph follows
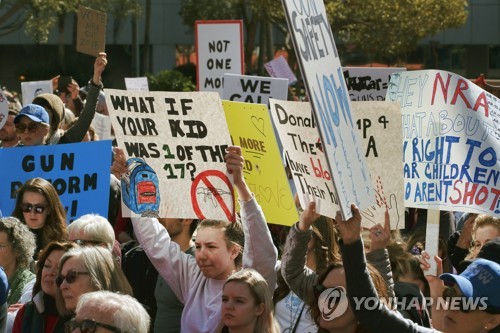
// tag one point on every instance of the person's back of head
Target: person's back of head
(92, 229)
(123, 312)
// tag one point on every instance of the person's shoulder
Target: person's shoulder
(4, 286)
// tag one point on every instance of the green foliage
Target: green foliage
(170, 81)
(192, 10)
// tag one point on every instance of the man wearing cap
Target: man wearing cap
(32, 125)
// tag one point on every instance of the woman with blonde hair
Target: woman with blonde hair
(247, 304)
(85, 269)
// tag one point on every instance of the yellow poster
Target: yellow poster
(251, 128)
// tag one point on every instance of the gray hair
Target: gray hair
(95, 227)
(127, 313)
(22, 239)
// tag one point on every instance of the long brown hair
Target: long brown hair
(377, 279)
(54, 228)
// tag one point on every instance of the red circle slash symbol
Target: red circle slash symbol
(209, 191)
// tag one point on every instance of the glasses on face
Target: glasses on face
(37, 209)
(83, 242)
(451, 293)
(70, 277)
(32, 127)
(3, 247)
(87, 326)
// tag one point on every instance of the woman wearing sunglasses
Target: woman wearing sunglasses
(40, 314)
(17, 245)
(32, 125)
(105, 311)
(86, 269)
(474, 308)
(39, 207)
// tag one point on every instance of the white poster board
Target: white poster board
(253, 89)
(4, 108)
(279, 67)
(102, 126)
(137, 83)
(369, 83)
(183, 137)
(32, 89)
(219, 50)
(379, 125)
(302, 148)
(326, 88)
(451, 142)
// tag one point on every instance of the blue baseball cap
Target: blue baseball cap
(481, 279)
(35, 112)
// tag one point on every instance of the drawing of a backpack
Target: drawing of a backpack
(140, 188)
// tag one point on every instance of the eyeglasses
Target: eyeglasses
(84, 242)
(70, 277)
(87, 326)
(32, 127)
(38, 209)
(451, 295)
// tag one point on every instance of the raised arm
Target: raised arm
(259, 251)
(299, 278)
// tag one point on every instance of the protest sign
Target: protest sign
(253, 89)
(304, 155)
(91, 31)
(137, 83)
(451, 140)
(4, 108)
(368, 83)
(31, 89)
(379, 128)
(251, 129)
(102, 126)
(320, 66)
(79, 172)
(278, 67)
(219, 50)
(182, 137)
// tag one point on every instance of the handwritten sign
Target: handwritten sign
(304, 155)
(32, 89)
(251, 129)
(183, 138)
(379, 126)
(79, 172)
(368, 83)
(278, 67)
(4, 108)
(219, 50)
(91, 31)
(320, 66)
(137, 83)
(451, 142)
(253, 89)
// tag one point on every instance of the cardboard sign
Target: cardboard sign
(219, 50)
(91, 31)
(4, 108)
(379, 126)
(137, 83)
(451, 142)
(369, 83)
(303, 150)
(183, 138)
(326, 88)
(79, 172)
(253, 89)
(32, 89)
(279, 68)
(251, 129)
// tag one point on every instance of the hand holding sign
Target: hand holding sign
(234, 163)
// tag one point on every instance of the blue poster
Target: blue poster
(80, 173)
